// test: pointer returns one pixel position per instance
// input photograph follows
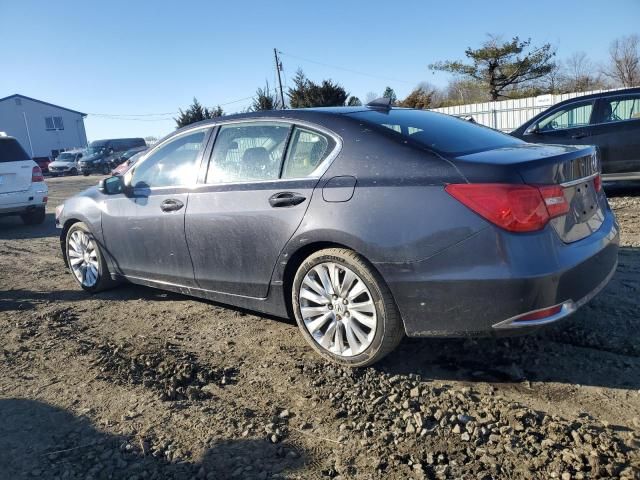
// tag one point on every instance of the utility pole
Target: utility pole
(278, 68)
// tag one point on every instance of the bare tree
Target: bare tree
(579, 74)
(624, 61)
(370, 97)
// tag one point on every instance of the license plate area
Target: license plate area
(583, 201)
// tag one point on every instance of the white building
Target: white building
(42, 128)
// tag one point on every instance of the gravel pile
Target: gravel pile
(175, 374)
(438, 431)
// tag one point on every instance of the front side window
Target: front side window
(571, 116)
(173, 164)
(617, 109)
(306, 151)
(248, 152)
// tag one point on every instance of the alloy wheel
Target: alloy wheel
(83, 258)
(338, 309)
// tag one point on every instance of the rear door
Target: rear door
(566, 125)
(258, 185)
(16, 167)
(144, 231)
(617, 133)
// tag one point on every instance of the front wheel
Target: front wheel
(74, 172)
(85, 173)
(344, 309)
(86, 261)
(105, 169)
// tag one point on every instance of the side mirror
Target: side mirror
(111, 185)
(533, 129)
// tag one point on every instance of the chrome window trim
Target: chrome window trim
(292, 122)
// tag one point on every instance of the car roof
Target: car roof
(608, 93)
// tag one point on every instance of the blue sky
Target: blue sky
(126, 57)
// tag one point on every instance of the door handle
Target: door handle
(286, 199)
(171, 205)
(580, 135)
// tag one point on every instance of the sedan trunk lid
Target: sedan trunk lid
(576, 169)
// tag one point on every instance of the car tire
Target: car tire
(73, 172)
(35, 217)
(85, 173)
(90, 271)
(329, 319)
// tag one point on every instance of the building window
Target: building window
(53, 123)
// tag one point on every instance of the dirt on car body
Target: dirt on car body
(138, 383)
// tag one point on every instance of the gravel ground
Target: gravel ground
(141, 384)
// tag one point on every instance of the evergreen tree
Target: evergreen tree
(306, 93)
(195, 113)
(354, 102)
(390, 94)
(264, 100)
(502, 66)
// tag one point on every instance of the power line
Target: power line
(346, 69)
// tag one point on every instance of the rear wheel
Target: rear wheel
(105, 169)
(35, 217)
(86, 261)
(85, 173)
(344, 309)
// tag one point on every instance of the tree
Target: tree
(421, 97)
(502, 65)
(579, 74)
(195, 113)
(624, 61)
(354, 102)
(306, 93)
(264, 100)
(370, 97)
(390, 94)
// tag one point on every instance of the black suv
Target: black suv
(102, 155)
(609, 120)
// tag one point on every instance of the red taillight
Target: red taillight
(45, 199)
(597, 183)
(36, 175)
(544, 313)
(516, 208)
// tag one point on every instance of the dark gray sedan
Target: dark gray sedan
(365, 223)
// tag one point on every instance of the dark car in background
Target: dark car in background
(101, 155)
(608, 120)
(128, 163)
(363, 223)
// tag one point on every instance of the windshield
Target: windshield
(66, 157)
(90, 151)
(439, 132)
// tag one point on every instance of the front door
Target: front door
(258, 185)
(568, 125)
(144, 230)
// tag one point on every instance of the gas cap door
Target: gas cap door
(339, 189)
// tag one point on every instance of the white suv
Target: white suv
(22, 188)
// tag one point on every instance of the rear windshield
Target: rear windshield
(12, 151)
(439, 132)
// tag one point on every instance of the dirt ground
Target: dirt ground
(137, 383)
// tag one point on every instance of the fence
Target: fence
(507, 115)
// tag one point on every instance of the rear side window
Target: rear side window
(618, 109)
(247, 152)
(442, 133)
(306, 151)
(12, 151)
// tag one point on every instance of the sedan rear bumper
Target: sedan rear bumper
(487, 283)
